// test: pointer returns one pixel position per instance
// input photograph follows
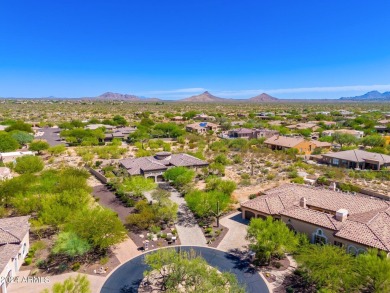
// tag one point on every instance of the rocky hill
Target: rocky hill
(205, 97)
(263, 98)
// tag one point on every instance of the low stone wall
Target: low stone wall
(98, 175)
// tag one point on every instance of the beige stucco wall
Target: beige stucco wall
(310, 230)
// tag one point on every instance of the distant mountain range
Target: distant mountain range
(109, 96)
(370, 96)
(205, 97)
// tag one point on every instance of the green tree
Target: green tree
(57, 150)
(344, 139)
(14, 186)
(7, 142)
(222, 159)
(374, 269)
(69, 244)
(19, 125)
(146, 122)
(374, 140)
(101, 227)
(137, 185)
(22, 137)
(166, 210)
(330, 267)
(160, 195)
(270, 238)
(119, 120)
(38, 146)
(208, 204)
(80, 284)
(218, 184)
(145, 216)
(169, 129)
(190, 272)
(180, 176)
(189, 115)
(29, 164)
(56, 209)
(217, 169)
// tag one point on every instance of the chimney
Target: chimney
(342, 215)
(333, 186)
(303, 202)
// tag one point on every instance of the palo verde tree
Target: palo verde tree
(188, 272)
(211, 204)
(269, 238)
(79, 284)
(330, 267)
(7, 142)
(137, 185)
(101, 227)
(71, 245)
(38, 146)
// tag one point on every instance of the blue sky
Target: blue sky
(174, 49)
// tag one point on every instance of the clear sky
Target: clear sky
(174, 49)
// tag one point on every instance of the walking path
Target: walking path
(187, 227)
(235, 237)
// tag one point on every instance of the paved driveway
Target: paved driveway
(130, 275)
(187, 226)
(235, 238)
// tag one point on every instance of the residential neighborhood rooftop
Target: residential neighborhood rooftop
(368, 221)
(359, 156)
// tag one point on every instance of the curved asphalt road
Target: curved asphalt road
(127, 278)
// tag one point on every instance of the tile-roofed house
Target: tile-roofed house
(155, 166)
(14, 245)
(251, 133)
(280, 142)
(204, 117)
(178, 118)
(322, 144)
(357, 159)
(120, 132)
(356, 133)
(301, 126)
(202, 127)
(353, 221)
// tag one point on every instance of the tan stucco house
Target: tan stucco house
(353, 221)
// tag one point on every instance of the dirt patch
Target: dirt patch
(216, 236)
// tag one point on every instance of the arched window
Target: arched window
(319, 237)
(360, 251)
(352, 250)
